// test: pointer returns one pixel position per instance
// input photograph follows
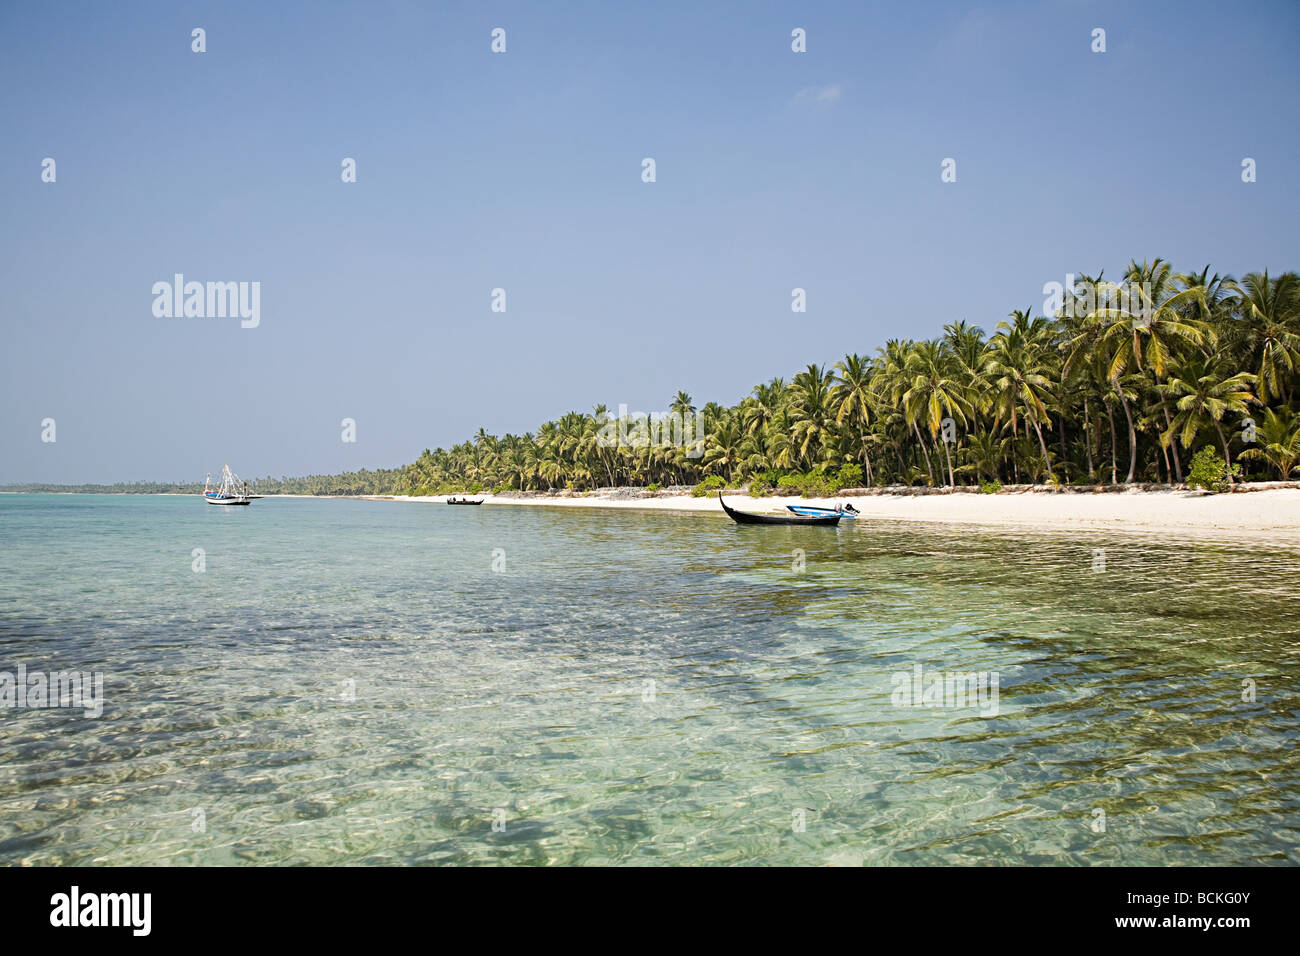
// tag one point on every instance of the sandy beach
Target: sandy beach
(1275, 511)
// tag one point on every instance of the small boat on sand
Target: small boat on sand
(745, 517)
(848, 511)
(463, 501)
(232, 490)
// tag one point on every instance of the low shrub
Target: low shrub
(849, 476)
(708, 485)
(1209, 471)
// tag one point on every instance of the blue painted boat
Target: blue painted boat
(811, 511)
(232, 490)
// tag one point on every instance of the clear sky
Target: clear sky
(522, 171)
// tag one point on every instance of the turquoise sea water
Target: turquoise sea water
(352, 682)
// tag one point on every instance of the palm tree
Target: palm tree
(682, 405)
(723, 448)
(1278, 440)
(984, 452)
(892, 382)
(767, 402)
(1203, 392)
(1019, 369)
(810, 412)
(852, 400)
(1150, 330)
(1270, 311)
(933, 392)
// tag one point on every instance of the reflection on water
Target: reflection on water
(350, 682)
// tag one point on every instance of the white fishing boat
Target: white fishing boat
(231, 492)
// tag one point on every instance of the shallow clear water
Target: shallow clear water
(352, 682)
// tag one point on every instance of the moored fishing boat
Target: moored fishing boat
(463, 501)
(232, 490)
(848, 511)
(746, 517)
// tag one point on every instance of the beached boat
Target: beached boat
(463, 501)
(232, 490)
(812, 511)
(745, 517)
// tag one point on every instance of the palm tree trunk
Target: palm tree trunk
(1132, 439)
(1065, 461)
(929, 469)
(1047, 464)
(1114, 442)
(1173, 445)
(1087, 438)
(951, 483)
(1227, 455)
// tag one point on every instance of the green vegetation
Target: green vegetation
(1094, 394)
(1210, 472)
(709, 485)
(364, 482)
(1098, 393)
(850, 476)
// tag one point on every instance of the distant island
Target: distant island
(1162, 377)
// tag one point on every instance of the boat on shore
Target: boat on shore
(231, 492)
(829, 519)
(846, 511)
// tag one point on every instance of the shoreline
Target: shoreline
(1272, 511)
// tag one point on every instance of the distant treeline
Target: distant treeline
(364, 482)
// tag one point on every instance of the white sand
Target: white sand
(1275, 511)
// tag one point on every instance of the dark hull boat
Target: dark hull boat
(744, 517)
(463, 501)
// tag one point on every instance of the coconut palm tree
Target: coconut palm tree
(852, 399)
(682, 405)
(810, 413)
(1144, 323)
(1278, 442)
(1203, 392)
(766, 404)
(1270, 312)
(723, 448)
(892, 382)
(1020, 375)
(933, 392)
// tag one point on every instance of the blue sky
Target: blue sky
(522, 171)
